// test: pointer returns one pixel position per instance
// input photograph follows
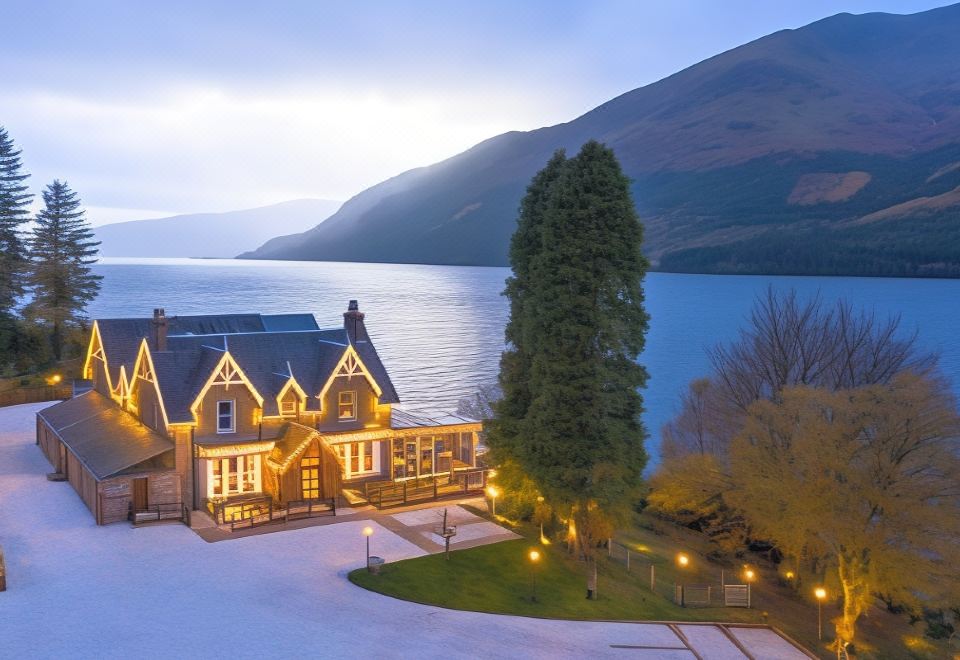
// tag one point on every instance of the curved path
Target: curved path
(76, 590)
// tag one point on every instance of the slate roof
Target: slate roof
(404, 419)
(103, 437)
(268, 348)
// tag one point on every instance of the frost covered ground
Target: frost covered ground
(79, 591)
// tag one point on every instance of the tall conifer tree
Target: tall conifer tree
(14, 203)
(62, 249)
(583, 322)
(503, 431)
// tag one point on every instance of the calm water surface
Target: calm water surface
(439, 329)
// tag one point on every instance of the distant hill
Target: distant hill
(210, 234)
(833, 148)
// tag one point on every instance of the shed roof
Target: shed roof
(103, 437)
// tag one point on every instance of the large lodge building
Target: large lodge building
(216, 412)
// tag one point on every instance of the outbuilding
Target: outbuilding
(115, 463)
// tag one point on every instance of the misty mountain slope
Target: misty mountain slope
(784, 141)
(210, 234)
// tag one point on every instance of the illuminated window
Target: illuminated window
(236, 475)
(225, 416)
(310, 477)
(359, 457)
(347, 408)
(288, 407)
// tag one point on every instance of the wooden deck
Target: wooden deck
(386, 494)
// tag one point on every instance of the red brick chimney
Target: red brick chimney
(159, 329)
(353, 323)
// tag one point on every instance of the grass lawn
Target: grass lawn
(498, 578)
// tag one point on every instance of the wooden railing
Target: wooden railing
(384, 494)
(259, 511)
(158, 512)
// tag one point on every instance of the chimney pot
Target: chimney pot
(353, 322)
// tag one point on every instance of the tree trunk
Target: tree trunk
(55, 340)
(591, 577)
(855, 595)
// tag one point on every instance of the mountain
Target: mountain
(832, 149)
(210, 234)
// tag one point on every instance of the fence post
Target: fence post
(609, 547)
(628, 560)
(404, 492)
(653, 583)
(434, 488)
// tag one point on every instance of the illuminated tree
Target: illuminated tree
(61, 252)
(570, 415)
(866, 481)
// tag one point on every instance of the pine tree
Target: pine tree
(14, 200)
(503, 430)
(583, 325)
(61, 250)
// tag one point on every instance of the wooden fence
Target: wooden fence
(21, 395)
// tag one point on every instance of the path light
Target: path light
(789, 575)
(749, 576)
(534, 556)
(492, 492)
(368, 532)
(683, 560)
(820, 593)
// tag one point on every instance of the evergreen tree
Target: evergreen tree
(582, 326)
(503, 431)
(61, 249)
(14, 200)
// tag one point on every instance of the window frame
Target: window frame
(352, 404)
(233, 416)
(292, 412)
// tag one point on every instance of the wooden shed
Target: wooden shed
(115, 463)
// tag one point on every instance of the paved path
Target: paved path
(80, 591)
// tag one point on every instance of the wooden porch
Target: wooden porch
(386, 494)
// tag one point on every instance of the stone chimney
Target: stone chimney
(353, 323)
(159, 329)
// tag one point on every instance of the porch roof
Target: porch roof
(104, 438)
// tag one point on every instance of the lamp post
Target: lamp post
(368, 532)
(534, 559)
(683, 561)
(820, 593)
(492, 493)
(749, 575)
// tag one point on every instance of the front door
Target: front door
(140, 502)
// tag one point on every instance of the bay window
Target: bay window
(235, 475)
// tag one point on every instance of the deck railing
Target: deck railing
(385, 494)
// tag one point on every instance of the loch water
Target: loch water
(439, 329)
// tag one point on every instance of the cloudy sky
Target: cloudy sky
(149, 109)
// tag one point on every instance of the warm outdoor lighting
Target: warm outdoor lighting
(683, 560)
(749, 574)
(54, 379)
(534, 556)
(368, 532)
(820, 593)
(789, 575)
(492, 492)
(491, 474)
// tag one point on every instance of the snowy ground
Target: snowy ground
(78, 591)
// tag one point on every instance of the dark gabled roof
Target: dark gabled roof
(268, 348)
(121, 337)
(106, 439)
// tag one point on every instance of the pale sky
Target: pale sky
(151, 109)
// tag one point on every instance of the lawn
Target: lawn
(499, 578)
